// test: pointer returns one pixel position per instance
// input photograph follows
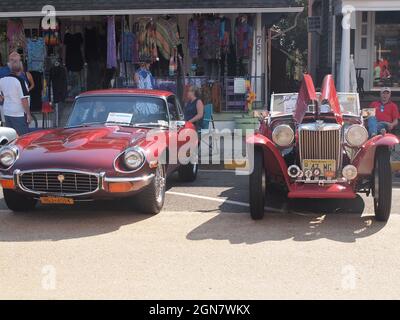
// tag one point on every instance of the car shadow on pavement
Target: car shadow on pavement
(299, 220)
(55, 223)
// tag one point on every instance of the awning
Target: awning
(33, 8)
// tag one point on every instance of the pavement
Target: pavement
(203, 245)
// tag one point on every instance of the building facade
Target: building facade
(180, 55)
(365, 33)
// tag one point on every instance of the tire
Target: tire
(382, 187)
(188, 173)
(258, 187)
(18, 202)
(151, 199)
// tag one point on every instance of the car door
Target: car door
(175, 118)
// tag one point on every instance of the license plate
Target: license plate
(324, 165)
(56, 200)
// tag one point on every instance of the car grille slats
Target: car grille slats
(320, 145)
(59, 182)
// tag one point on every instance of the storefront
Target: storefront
(377, 47)
(214, 46)
(368, 31)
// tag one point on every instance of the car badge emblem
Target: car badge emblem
(61, 178)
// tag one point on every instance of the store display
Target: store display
(111, 43)
(193, 41)
(145, 29)
(51, 35)
(244, 37)
(36, 52)
(103, 52)
(16, 35)
(167, 36)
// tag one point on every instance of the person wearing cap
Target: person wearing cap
(386, 114)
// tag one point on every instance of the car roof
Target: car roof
(122, 92)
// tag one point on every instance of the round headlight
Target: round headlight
(350, 172)
(134, 159)
(8, 156)
(283, 135)
(356, 135)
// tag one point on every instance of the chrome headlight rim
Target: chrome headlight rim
(131, 152)
(13, 151)
(360, 143)
(276, 132)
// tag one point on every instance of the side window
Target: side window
(173, 108)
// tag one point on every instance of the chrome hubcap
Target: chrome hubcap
(160, 182)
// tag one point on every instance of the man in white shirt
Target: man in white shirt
(15, 98)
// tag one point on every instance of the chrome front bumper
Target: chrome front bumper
(102, 187)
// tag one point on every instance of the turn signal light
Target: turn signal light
(120, 187)
(8, 184)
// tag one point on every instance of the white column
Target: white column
(345, 58)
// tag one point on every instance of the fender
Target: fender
(273, 159)
(365, 159)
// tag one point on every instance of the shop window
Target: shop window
(386, 68)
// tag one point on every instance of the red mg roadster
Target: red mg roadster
(103, 152)
(315, 145)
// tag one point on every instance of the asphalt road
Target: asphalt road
(202, 246)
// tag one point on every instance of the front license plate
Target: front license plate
(56, 200)
(323, 165)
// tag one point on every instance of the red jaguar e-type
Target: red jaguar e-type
(114, 145)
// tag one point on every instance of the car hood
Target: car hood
(93, 149)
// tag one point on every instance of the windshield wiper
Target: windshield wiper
(150, 124)
(84, 125)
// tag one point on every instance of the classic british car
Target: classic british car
(116, 144)
(316, 145)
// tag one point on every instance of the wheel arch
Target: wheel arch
(365, 159)
(273, 160)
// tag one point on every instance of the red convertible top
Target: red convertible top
(140, 92)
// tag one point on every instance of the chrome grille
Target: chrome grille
(324, 144)
(59, 182)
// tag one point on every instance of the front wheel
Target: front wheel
(188, 173)
(382, 188)
(151, 199)
(258, 187)
(18, 202)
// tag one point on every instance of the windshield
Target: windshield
(286, 104)
(129, 111)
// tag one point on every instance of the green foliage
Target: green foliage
(296, 40)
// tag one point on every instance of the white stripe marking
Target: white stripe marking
(220, 200)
